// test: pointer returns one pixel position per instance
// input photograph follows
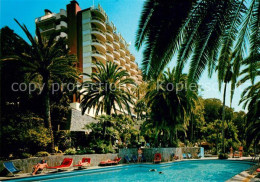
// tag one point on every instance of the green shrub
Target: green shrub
(70, 151)
(90, 151)
(109, 149)
(223, 156)
(42, 154)
(25, 155)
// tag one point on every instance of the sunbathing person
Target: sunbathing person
(140, 154)
(39, 167)
(83, 164)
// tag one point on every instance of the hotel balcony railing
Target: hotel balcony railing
(99, 31)
(116, 37)
(127, 51)
(132, 64)
(116, 45)
(132, 57)
(109, 45)
(127, 58)
(133, 71)
(62, 26)
(117, 62)
(122, 52)
(122, 61)
(116, 54)
(109, 35)
(99, 55)
(98, 10)
(99, 44)
(110, 56)
(45, 18)
(97, 20)
(122, 43)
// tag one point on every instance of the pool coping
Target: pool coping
(95, 169)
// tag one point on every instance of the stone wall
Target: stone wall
(167, 153)
(148, 153)
(26, 165)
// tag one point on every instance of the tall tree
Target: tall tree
(108, 90)
(200, 30)
(45, 59)
(170, 103)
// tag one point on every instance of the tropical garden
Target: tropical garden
(166, 110)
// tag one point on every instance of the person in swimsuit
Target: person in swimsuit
(39, 167)
(140, 152)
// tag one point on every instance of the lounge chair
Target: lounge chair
(184, 156)
(83, 163)
(9, 166)
(116, 161)
(199, 155)
(66, 163)
(157, 158)
(127, 159)
(134, 157)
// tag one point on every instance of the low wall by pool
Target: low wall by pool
(26, 165)
(167, 153)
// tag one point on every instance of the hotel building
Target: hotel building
(91, 36)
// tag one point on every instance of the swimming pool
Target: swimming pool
(196, 170)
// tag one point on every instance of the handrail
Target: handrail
(96, 40)
(98, 52)
(97, 18)
(97, 29)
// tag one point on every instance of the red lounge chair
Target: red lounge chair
(66, 163)
(83, 163)
(115, 161)
(157, 158)
(110, 162)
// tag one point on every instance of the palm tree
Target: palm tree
(170, 103)
(212, 33)
(46, 60)
(251, 99)
(108, 90)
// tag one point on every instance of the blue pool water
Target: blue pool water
(199, 170)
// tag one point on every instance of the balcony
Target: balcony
(122, 44)
(100, 34)
(122, 61)
(117, 62)
(99, 12)
(62, 26)
(127, 58)
(110, 56)
(99, 22)
(99, 56)
(109, 26)
(122, 52)
(109, 35)
(127, 51)
(110, 46)
(127, 67)
(132, 64)
(45, 18)
(99, 45)
(116, 37)
(116, 45)
(133, 71)
(116, 54)
(132, 57)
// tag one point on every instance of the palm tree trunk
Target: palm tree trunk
(47, 112)
(223, 118)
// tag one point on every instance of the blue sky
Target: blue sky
(123, 13)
